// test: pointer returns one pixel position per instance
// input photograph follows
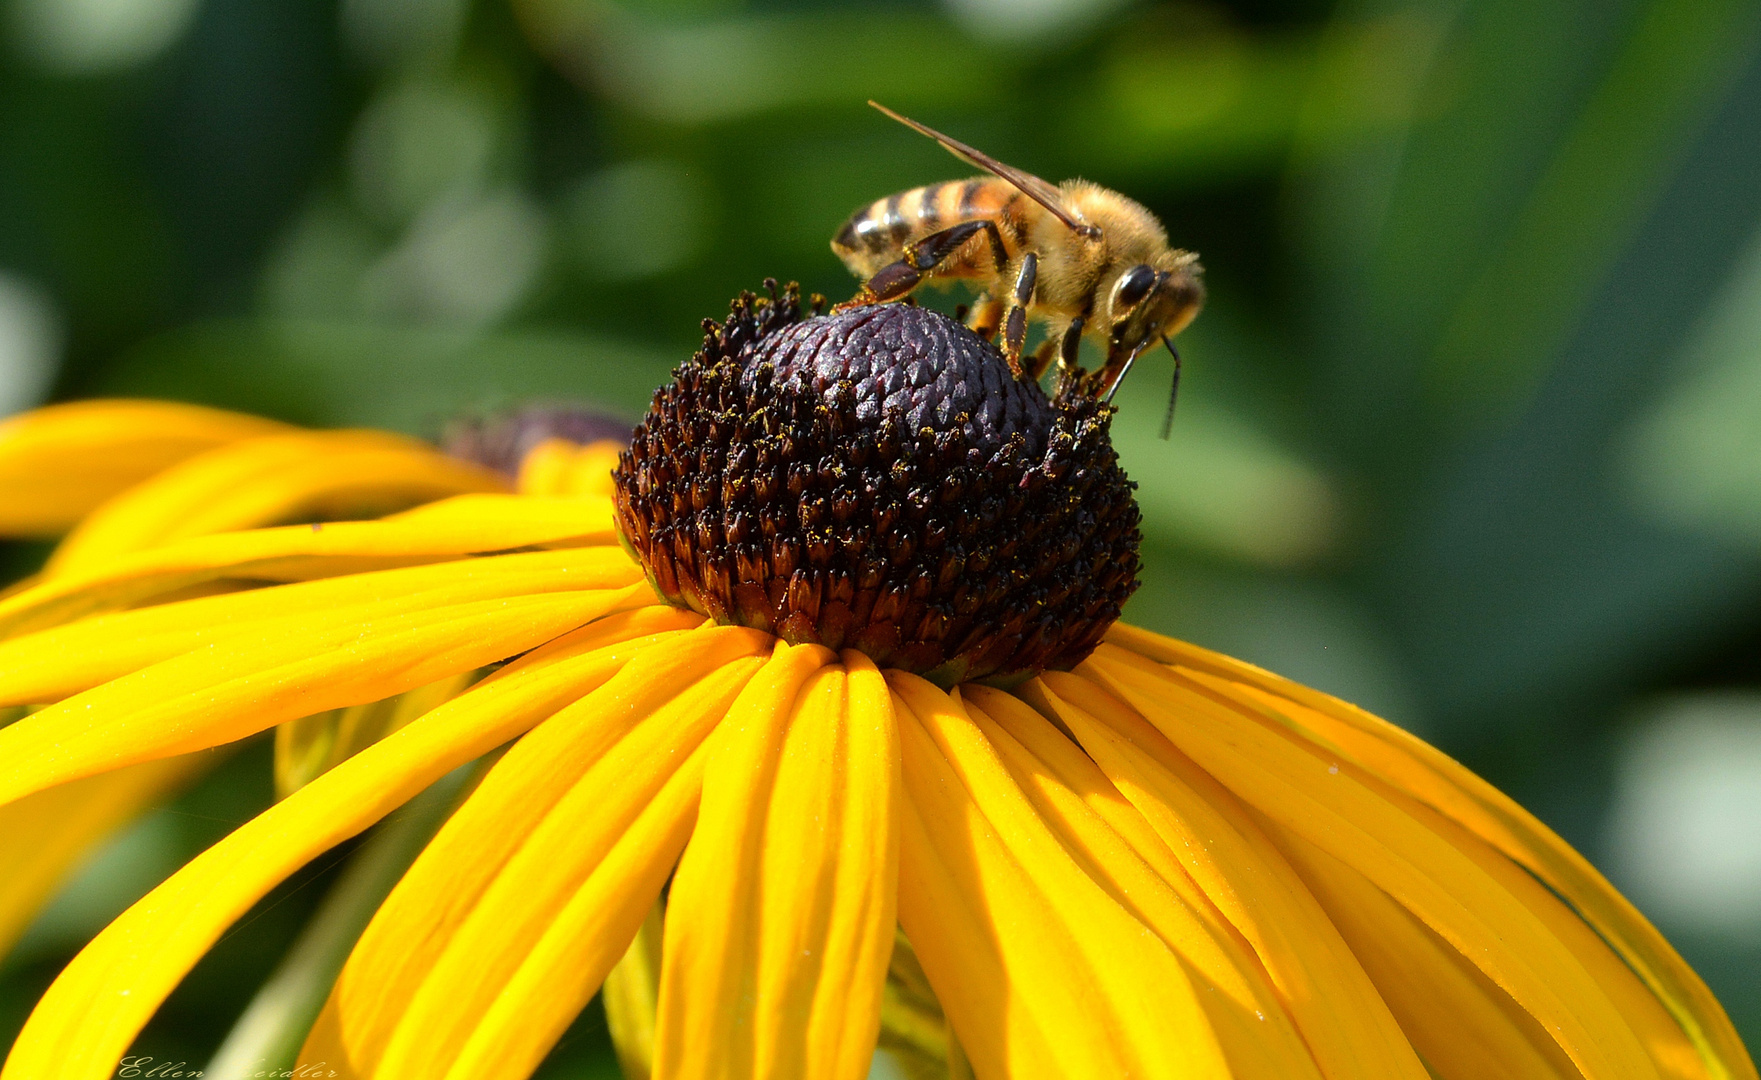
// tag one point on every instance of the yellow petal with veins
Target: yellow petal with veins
(407, 938)
(1670, 1049)
(556, 859)
(998, 954)
(1066, 788)
(1463, 1024)
(438, 532)
(780, 920)
(53, 664)
(60, 462)
(1320, 983)
(1426, 773)
(267, 481)
(559, 976)
(1130, 1010)
(217, 695)
(1301, 789)
(89, 1016)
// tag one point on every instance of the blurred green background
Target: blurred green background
(1471, 429)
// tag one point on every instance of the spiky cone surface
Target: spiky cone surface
(878, 479)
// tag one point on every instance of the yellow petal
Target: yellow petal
(545, 468)
(1323, 988)
(89, 1016)
(780, 920)
(53, 664)
(1322, 801)
(60, 462)
(1075, 799)
(213, 696)
(561, 467)
(1427, 774)
(464, 525)
(400, 948)
(50, 831)
(557, 858)
(1670, 1049)
(1465, 1026)
(266, 481)
(998, 955)
(1127, 1008)
(559, 976)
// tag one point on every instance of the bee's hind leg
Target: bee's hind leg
(919, 260)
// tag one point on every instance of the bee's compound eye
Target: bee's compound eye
(1134, 285)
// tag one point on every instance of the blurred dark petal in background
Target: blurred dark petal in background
(1470, 432)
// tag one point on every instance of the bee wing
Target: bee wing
(1047, 195)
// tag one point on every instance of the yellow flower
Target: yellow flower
(1161, 863)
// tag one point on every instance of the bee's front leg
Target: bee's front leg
(919, 260)
(1015, 320)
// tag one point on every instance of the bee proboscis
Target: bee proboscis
(1076, 255)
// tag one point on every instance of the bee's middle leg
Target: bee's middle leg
(1062, 349)
(1015, 321)
(918, 261)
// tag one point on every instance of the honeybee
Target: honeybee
(1075, 255)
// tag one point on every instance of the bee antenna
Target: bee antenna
(1124, 370)
(1173, 390)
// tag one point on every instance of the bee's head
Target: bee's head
(1151, 301)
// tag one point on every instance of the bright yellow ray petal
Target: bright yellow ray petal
(1320, 800)
(1426, 773)
(50, 831)
(463, 525)
(406, 939)
(53, 664)
(87, 1019)
(266, 481)
(980, 949)
(1465, 1026)
(1066, 788)
(560, 975)
(1140, 1016)
(1671, 1050)
(545, 468)
(555, 860)
(213, 696)
(1329, 997)
(780, 920)
(561, 467)
(59, 462)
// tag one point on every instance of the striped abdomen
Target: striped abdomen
(875, 235)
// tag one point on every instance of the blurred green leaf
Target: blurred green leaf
(1175, 98)
(1220, 484)
(1694, 459)
(384, 376)
(1674, 67)
(697, 72)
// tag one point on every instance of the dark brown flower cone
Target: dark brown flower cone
(877, 479)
